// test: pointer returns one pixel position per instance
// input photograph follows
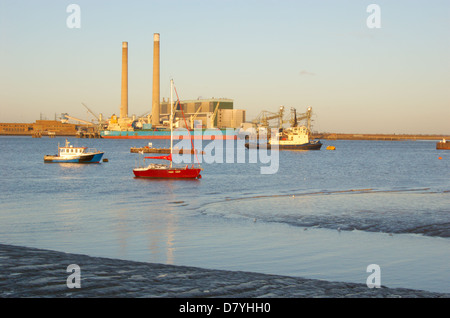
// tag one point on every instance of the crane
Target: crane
(214, 115)
(96, 117)
(195, 116)
(265, 116)
(101, 122)
(65, 118)
(303, 116)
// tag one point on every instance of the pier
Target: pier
(82, 134)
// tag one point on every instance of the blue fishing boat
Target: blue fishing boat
(71, 154)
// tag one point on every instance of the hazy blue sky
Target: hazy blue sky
(262, 54)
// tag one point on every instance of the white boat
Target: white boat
(295, 138)
(291, 138)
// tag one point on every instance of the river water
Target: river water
(316, 214)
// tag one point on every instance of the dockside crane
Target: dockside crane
(306, 116)
(214, 115)
(193, 117)
(101, 122)
(265, 116)
(65, 118)
(89, 110)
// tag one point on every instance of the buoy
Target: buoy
(105, 160)
(331, 148)
(440, 158)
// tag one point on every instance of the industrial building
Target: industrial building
(41, 127)
(205, 113)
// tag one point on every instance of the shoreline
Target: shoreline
(387, 137)
(38, 273)
(317, 135)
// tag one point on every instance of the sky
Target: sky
(326, 54)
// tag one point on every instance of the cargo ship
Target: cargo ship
(158, 133)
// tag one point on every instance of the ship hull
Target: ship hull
(443, 145)
(208, 134)
(173, 173)
(308, 146)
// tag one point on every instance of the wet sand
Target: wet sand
(30, 272)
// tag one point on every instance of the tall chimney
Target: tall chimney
(156, 98)
(124, 101)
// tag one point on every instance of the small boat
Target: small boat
(151, 149)
(167, 171)
(292, 138)
(71, 154)
(443, 144)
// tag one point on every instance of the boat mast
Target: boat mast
(309, 120)
(171, 119)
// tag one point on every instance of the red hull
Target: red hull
(173, 173)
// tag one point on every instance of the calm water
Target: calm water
(324, 214)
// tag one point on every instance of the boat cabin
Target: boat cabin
(292, 136)
(69, 150)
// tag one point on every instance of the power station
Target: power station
(206, 114)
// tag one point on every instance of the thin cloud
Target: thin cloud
(306, 73)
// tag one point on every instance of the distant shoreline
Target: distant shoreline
(347, 136)
(327, 136)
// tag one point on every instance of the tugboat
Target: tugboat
(292, 138)
(295, 138)
(71, 154)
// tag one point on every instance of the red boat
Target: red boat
(167, 171)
